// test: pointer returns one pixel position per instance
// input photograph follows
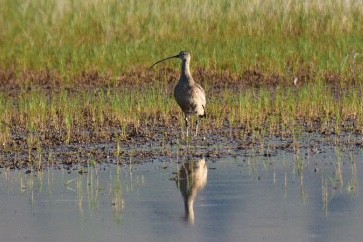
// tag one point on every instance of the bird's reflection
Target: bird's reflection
(192, 178)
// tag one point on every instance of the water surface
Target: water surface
(316, 196)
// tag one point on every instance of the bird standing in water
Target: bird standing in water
(189, 95)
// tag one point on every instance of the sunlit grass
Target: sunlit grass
(74, 117)
(114, 37)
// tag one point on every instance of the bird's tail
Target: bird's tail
(204, 115)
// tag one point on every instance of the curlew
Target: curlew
(189, 95)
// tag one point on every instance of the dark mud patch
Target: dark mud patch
(158, 143)
(12, 81)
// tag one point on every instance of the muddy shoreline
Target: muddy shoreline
(163, 144)
(154, 139)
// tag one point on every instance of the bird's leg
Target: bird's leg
(187, 125)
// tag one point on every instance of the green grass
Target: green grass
(257, 111)
(112, 36)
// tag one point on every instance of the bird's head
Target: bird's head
(183, 55)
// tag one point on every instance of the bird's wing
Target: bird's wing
(199, 91)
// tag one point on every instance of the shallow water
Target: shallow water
(316, 196)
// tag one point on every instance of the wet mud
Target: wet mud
(162, 144)
(12, 81)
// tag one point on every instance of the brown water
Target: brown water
(316, 196)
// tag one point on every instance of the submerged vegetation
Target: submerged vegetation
(75, 72)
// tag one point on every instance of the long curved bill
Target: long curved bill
(175, 56)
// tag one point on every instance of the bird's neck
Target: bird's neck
(185, 74)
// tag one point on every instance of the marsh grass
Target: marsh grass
(82, 116)
(110, 36)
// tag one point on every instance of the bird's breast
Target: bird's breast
(190, 99)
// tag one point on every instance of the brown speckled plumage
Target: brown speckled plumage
(189, 95)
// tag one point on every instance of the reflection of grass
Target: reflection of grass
(87, 190)
(336, 170)
(116, 192)
(343, 180)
